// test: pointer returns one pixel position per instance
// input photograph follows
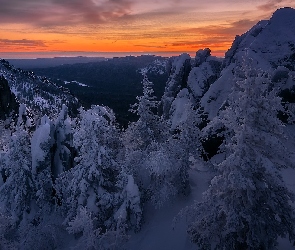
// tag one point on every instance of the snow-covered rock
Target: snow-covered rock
(201, 56)
(206, 72)
(273, 41)
(269, 46)
(8, 103)
(188, 85)
(180, 69)
(178, 110)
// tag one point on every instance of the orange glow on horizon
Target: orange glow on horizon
(125, 41)
(129, 26)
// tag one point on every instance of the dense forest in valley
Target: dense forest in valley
(111, 82)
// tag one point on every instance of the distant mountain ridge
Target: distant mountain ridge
(52, 62)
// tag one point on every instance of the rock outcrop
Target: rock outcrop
(8, 102)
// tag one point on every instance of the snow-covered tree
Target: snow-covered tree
(168, 163)
(26, 193)
(149, 127)
(18, 191)
(63, 143)
(129, 214)
(83, 223)
(163, 174)
(126, 216)
(25, 119)
(2, 167)
(7, 229)
(45, 231)
(92, 182)
(100, 201)
(41, 162)
(157, 157)
(184, 144)
(148, 130)
(247, 205)
(90, 236)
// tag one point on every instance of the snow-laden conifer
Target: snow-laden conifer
(247, 205)
(62, 147)
(18, 190)
(92, 182)
(99, 200)
(41, 142)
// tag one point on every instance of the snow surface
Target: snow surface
(164, 229)
(161, 232)
(40, 101)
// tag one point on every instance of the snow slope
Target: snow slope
(164, 229)
(272, 41)
(39, 94)
(269, 45)
(161, 232)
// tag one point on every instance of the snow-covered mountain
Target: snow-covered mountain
(269, 45)
(39, 94)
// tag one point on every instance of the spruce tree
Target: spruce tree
(62, 148)
(247, 205)
(92, 182)
(41, 163)
(18, 190)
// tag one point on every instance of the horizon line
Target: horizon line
(109, 54)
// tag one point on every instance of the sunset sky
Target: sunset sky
(128, 25)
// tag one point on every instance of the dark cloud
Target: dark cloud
(223, 30)
(201, 43)
(217, 36)
(62, 12)
(213, 36)
(213, 43)
(151, 46)
(21, 43)
(270, 5)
